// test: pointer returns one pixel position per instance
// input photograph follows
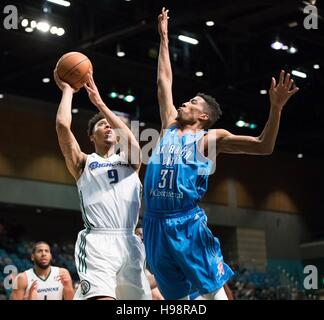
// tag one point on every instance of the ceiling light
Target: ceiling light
(316, 66)
(199, 74)
(129, 98)
(300, 155)
(240, 123)
(46, 80)
(277, 45)
(263, 91)
(1, 96)
(75, 110)
(188, 39)
(284, 47)
(28, 29)
(113, 95)
(292, 50)
(293, 24)
(60, 2)
(60, 32)
(43, 26)
(53, 30)
(33, 24)
(119, 51)
(24, 23)
(121, 54)
(299, 74)
(210, 23)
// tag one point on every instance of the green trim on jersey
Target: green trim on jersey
(40, 277)
(82, 252)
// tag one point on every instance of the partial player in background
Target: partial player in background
(43, 281)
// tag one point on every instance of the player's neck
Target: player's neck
(42, 273)
(105, 151)
(186, 128)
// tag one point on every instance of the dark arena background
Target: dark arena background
(266, 211)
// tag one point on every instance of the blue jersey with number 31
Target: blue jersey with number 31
(176, 176)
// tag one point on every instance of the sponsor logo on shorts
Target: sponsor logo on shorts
(85, 286)
(220, 269)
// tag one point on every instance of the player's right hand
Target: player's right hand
(61, 84)
(33, 291)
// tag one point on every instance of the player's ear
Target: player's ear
(204, 116)
(32, 257)
(92, 138)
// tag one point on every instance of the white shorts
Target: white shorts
(111, 263)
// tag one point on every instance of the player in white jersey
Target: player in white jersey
(43, 281)
(110, 259)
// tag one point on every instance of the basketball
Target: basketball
(73, 68)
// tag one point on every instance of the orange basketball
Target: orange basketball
(73, 68)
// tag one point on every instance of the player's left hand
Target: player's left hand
(93, 91)
(163, 22)
(65, 278)
(281, 92)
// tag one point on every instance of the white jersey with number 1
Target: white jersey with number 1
(50, 288)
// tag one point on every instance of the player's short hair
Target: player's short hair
(92, 122)
(212, 108)
(37, 244)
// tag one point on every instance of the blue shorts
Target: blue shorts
(183, 254)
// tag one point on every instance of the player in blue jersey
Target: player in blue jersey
(181, 251)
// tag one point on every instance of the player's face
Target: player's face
(42, 256)
(191, 111)
(103, 133)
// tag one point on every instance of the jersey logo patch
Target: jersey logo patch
(85, 286)
(220, 269)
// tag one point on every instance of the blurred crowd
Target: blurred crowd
(247, 284)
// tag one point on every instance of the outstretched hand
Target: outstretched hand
(61, 84)
(93, 91)
(163, 22)
(281, 92)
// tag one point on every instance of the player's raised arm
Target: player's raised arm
(168, 112)
(279, 93)
(133, 148)
(74, 157)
